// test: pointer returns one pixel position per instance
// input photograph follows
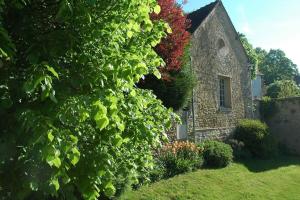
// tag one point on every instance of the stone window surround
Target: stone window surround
(228, 93)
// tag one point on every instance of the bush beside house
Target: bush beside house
(177, 158)
(217, 154)
(183, 156)
(256, 137)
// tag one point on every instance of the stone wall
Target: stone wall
(213, 134)
(284, 122)
(216, 51)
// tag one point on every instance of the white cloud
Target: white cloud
(246, 29)
(243, 20)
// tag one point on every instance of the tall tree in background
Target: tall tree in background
(178, 80)
(261, 54)
(297, 80)
(283, 89)
(276, 66)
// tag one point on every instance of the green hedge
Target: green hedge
(217, 154)
(256, 137)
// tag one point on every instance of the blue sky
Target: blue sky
(266, 23)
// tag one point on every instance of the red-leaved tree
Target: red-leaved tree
(171, 49)
(175, 87)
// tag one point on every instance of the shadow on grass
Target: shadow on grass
(261, 165)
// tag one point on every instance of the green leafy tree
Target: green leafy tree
(261, 54)
(276, 66)
(283, 89)
(297, 79)
(72, 119)
(251, 53)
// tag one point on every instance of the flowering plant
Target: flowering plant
(179, 157)
(182, 149)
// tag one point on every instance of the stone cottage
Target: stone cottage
(223, 93)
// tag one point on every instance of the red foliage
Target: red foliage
(171, 49)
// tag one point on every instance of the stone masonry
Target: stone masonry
(217, 52)
(284, 123)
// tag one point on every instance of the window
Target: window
(225, 92)
(221, 43)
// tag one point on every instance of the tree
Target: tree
(175, 89)
(283, 89)
(261, 54)
(276, 66)
(251, 53)
(176, 92)
(72, 119)
(297, 80)
(171, 48)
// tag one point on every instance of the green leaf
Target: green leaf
(102, 122)
(89, 17)
(54, 161)
(84, 116)
(76, 156)
(101, 173)
(66, 179)
(118, 140)
(129, 34)
(109, 189)
(74, 139)
(52, 70)
(34, 186)
(50, 136)
(52, 96)
(157, 74)
(132, 93)
(54, 182)
(157, 9)
(101, 108)
(168, 28)
(75, 160)
(121, 126)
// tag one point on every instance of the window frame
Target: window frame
(224, 92)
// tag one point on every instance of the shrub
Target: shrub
(217, 154)
(239, 150)
(256, 137)
(283, 89)
(179, 157)
(158, 172)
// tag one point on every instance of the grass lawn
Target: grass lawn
(252, 179)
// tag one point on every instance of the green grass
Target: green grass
(253, 179)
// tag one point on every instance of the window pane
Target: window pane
(222, 92)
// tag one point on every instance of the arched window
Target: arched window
(221, 43)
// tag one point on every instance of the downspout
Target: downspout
(252, 105)
(193, 113)
(193, 109)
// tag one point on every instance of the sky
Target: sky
(269, 24)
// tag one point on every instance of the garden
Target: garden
(253, 179)
(89, 90)
(252, 165)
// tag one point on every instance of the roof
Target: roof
(198, 16)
